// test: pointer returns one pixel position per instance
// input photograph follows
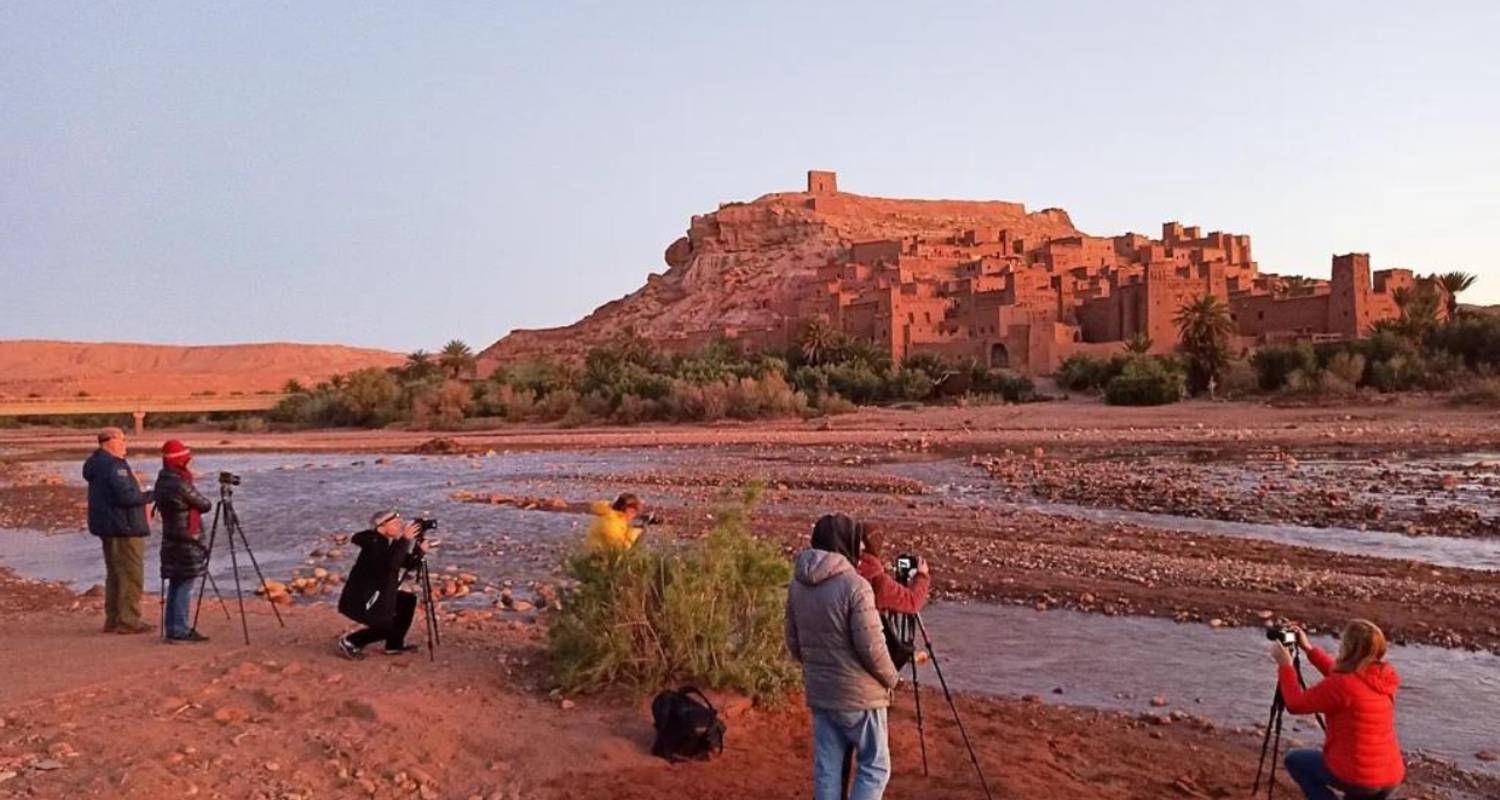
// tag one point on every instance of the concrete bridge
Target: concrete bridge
(138, 407)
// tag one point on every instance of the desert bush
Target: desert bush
(1146, 381)
(831, 404)
(442, 407)
(1082, 372)
(662, 612)
(1472, 337)
(1240, 379)
(1275, 364)
(247, 425)
(1347, 368)
(632, 410)
(1010, 386)
(1484, 392)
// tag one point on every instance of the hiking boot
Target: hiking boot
(400, 651)
(131, 629)
(347, 649)
(191, 637)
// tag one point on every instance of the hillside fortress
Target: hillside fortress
(974, 279)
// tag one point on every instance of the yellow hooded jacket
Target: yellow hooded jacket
(610, 531)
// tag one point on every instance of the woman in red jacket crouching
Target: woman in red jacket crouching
(1357, 698)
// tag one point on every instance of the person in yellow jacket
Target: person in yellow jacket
(613, 529)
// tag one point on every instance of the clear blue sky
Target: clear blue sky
(396, 174)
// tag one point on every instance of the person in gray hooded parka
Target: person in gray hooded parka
(834, 632)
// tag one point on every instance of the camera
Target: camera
(906, 569)
(424, 524)
(228, 479)
(1286, 636)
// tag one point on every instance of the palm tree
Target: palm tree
(819, 339)
(456, 359)
(1205, 326)
(1454, 282)
(1419, 310)
(1139, 344)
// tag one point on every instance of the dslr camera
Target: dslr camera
(906, 569)
(228, 479)
(1286, 636)
(424, 525)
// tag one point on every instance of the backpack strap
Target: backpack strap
(690, 691)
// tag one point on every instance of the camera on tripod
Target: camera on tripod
(228, 479)
(906, 569)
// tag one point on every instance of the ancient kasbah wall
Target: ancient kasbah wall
(953, 276)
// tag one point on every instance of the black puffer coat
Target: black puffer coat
(183, 557)
(369, 595)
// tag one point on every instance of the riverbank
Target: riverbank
(96, 715)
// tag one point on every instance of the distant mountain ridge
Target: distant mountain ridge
(51, 368)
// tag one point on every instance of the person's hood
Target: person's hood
(837, 533)
(815, 566)
(1380, 677)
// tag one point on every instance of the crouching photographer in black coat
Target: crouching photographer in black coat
(372, 596)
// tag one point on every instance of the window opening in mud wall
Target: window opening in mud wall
(999, 356)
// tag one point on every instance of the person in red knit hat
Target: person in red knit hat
(1357, 697)
(184, 558)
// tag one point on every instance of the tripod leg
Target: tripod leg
(238, 592)
(947, 695)
(1265, 741)
(213, 533)
(1275, 753)
(437, 637)
(235, 530)
(213, 584)
(916, 693)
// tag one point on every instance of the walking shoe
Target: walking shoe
(347, 649)
(400, 651)
(139, 627)
(109, 627)
(191, 637)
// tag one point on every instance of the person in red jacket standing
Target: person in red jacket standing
(890, 595)
(1357, 698)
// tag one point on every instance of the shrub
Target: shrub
(1484, 393)
(1146, 381)
(247, 425)
(1012, 387)
(831, 404)
(443, 407)
(1240, 379)
(1474, 338)
(1082, 372)
(1274, 364)
(1348, 368)
(707, 611)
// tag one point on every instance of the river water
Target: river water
(966, 484)
(292, 504)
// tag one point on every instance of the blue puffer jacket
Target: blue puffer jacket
(117, 505)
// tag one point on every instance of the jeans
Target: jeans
(125, 576)
(179, 602)
(1310, 772)
(835, 733)
(394, 634)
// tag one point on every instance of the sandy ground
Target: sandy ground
(285, 717)
(88, 714)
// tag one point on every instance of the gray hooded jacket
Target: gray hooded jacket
(833, 630)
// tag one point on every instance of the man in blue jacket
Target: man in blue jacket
(117, 515)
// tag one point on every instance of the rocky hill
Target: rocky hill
(109, 369)
(738, 263)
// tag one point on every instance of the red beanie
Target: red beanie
(175, 453)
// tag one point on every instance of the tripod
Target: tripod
(905, 627)
(1278, 711)
(423, 577)
(225, 512)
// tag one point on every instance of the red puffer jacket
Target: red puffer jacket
(1360, 711)
(890, 595)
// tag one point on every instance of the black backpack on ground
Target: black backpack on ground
(687, 726)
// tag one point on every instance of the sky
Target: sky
(399, 174)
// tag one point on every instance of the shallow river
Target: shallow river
(291, 504)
